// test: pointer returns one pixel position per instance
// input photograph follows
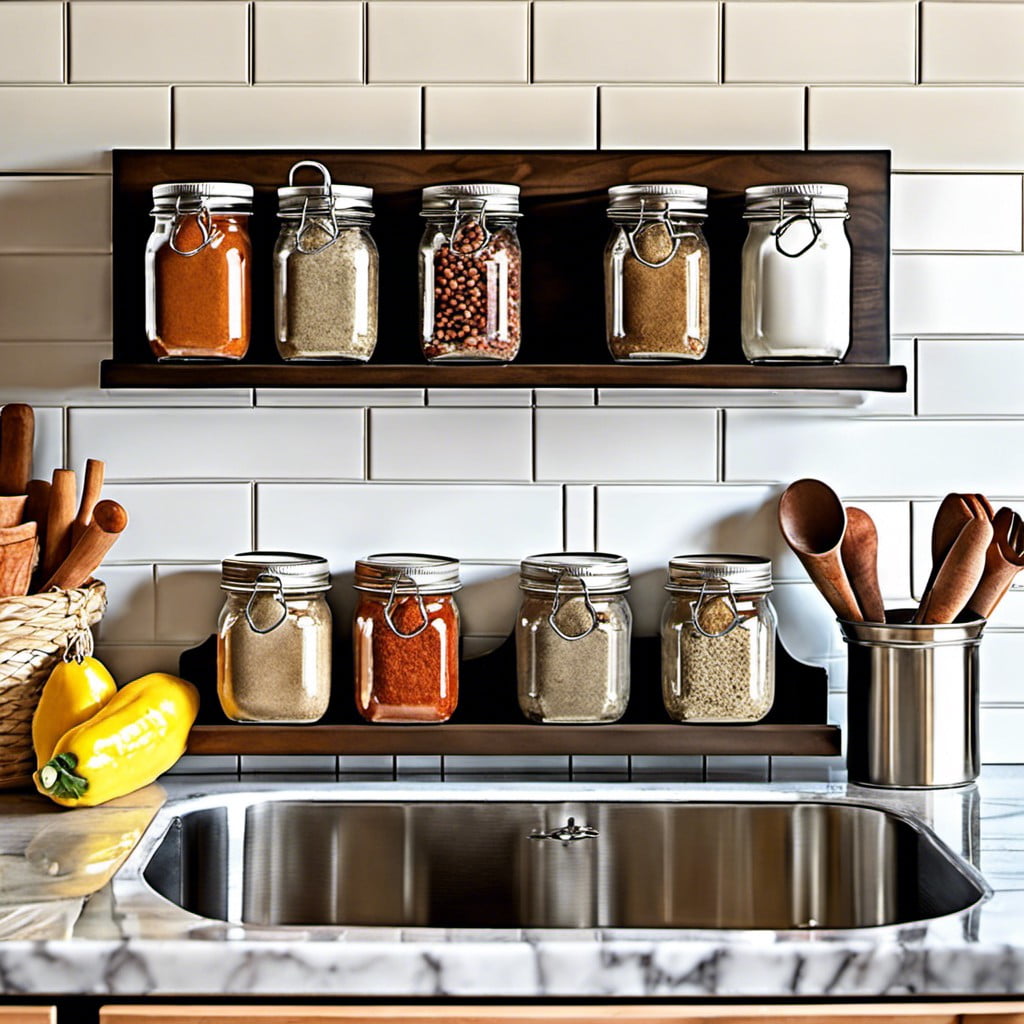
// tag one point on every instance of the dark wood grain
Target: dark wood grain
(563, 229)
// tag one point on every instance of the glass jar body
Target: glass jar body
(470, 288)
(325, 302)
(580, 681)
(411, 678)
(282, 675)
(729, 678)
(795, 308)
(657, 289)
(198, 306)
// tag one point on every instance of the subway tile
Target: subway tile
(369, 765)
(678, 768)
(587, 42)
(1001, 657)
(580, 517)
(702, 117)
(31, 42)
(571, 397)
(451, 444)
(975, 42)
(308, 42)
(344, 117)
(489, 599)
(28, 289)
(949, 368)
(428, 41)
(200, 764)
(48, 453)
(159, 41)
(874, 457)
(130, 604)
(957, 294)
(626, 444)
(59, 129)
(927, 129)
(307, 764)
(480, 397)
(506, 117)
(417, 768)
(246, 444)
(947, 212)
(1001, 729)
(495, 767)
(807, 769)
(188, 601)
(127, 662)
(600, 767)
(54, 214)
(127, 398)
(722, 768)
(333, 397)
(183, 522)
(795, 42)
(807, 625)
(50, 372)
(902, 352)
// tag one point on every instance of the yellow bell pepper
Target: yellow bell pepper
(134, 738)
(73, 693)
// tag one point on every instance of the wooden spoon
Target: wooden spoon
(12, 510)
(17, 559)
(860, 559)
(959, 576)
(91, 488)
(813, 521)
(108, 522)
(17, 436)
(952, 516)
(1002, 563)
(60, 516)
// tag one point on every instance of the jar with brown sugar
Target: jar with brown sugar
(198, 264)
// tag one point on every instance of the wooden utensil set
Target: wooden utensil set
(976, 553)
(48, 538)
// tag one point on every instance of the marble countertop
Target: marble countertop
(105, 944)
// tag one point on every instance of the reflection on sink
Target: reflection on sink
(780, 865)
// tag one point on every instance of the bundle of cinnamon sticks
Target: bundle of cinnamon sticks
(49, 535)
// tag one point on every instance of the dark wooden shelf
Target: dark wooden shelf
(844, 377)
(529, 740)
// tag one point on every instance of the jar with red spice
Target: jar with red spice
(197, 270)
(470, 273)
(405, 637)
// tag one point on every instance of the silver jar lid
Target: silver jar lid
(190, 196)
(483, 197)
(771, 200)
(599, 573)
(743, 574)
(286, 571)
(405, 573)
(293, 199)
(638, 199)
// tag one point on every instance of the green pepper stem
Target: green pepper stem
(58, 777)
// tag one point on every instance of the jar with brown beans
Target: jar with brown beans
(470, 273)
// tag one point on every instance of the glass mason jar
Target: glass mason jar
(796, 274)
(470, 273)
(572, 637)
(657, 273)
(718, 639)
(405, 636)
(198, 261)
(274, 638)
(325, 270)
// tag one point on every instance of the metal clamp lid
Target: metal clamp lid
(789, 205)
(647, 204)
(743, 574)
(315, 205)
(407, 573)
(596, 571)
(470, 204)
(199, 199)
(287, 571)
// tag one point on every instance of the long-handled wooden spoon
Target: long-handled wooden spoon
(952, 516)
(958, 578)
(860, 559)
(60, 516)
(91, 488)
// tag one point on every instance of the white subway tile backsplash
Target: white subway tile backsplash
(974, 42)
(962, 212)
(159, 41)
(481, 398)
(130, 613)
(342, 117)
(957, 294)
(727, 768)
(306, 764)
(127, 662)
(489, 599)
(949, 370)
(576, 41)
(188, 601)
(508, 117)
(440, 41)
(563, 396)
(196, 444)
(331, 398)
(580, 518)
(927, 129)
(451, 444)
(40, 372)
(29, 286)
(60, 129)
(877, 41)
(1001, 729)
(626, 444)
(31, 41)
(1001, 658)
(702, 117)
(54, 214)
(308, 42)
(48, 453)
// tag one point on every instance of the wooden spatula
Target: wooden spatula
(860, 559)
(959, 576)
(1002, 563)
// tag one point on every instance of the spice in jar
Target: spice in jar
(405, 637)
(657, 273)
(470, 273)
(198, 261)
(325, 270)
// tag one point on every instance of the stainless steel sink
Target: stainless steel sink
(268, 860)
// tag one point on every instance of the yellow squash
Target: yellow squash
(73, 693)
(134, 738)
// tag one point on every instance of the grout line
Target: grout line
(366, 444)
(170, 116)
(423, 117)
(918, 36)
(598, 91)
(807, 117)
(66, 43)
(721, 43)
(720, 442)
(366, 43)
(917, 378)
(253, 511)
(250, 29)
(530, 30)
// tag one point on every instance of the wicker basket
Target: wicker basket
(34, 633)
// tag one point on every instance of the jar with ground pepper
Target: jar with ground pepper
(198, 270)
(274, 638)
(572, 637)
(657, 273)
(470, 273)
(405, 637)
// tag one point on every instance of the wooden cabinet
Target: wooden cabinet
(28, 1014)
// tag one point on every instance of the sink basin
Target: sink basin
(268, 860)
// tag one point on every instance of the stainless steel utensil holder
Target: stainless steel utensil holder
(912, 703)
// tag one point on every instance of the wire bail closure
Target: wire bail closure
(664, 216)
(309, 218)
(266, 577)
(785, 223)
(391, 603)
(697, 606)
(477, 207)
(557, 603)
(193, 207)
